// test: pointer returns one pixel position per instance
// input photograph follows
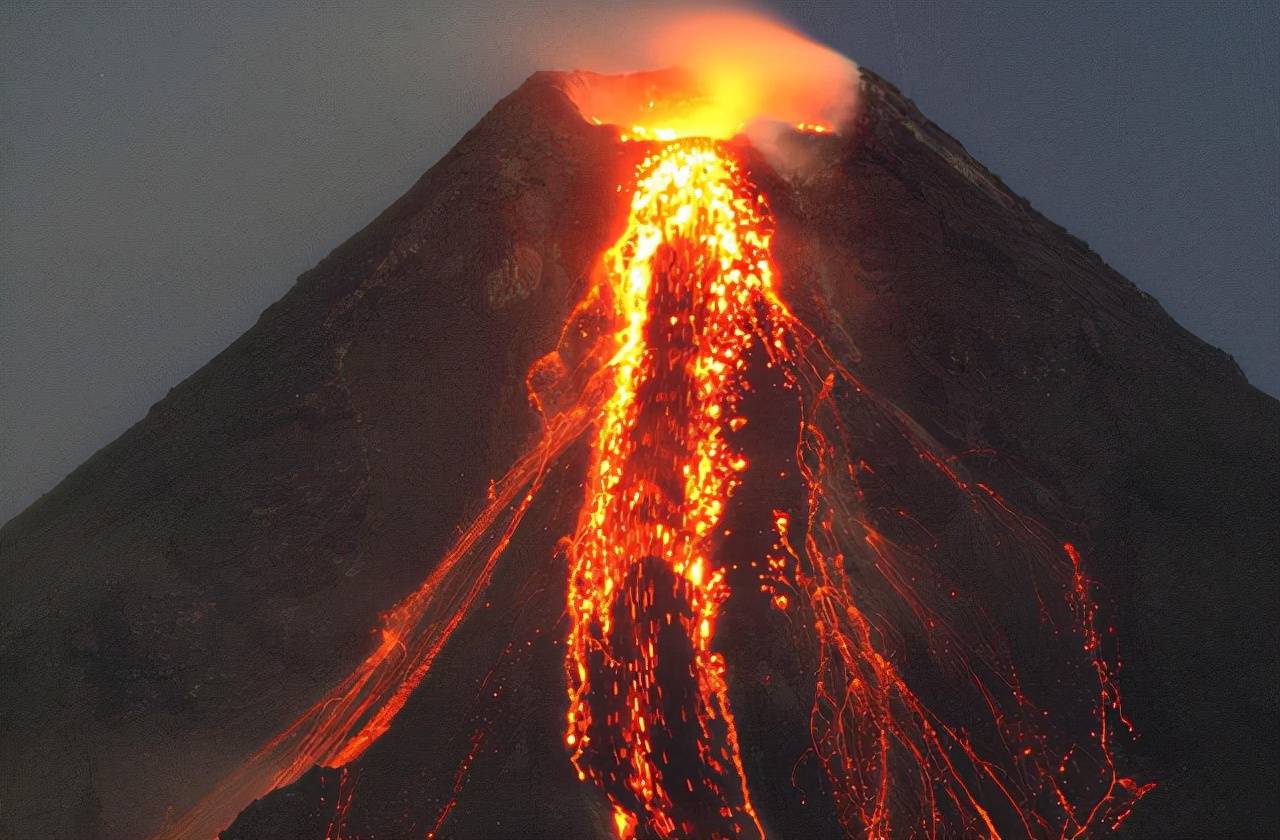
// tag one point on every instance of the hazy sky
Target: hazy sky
(168, 168)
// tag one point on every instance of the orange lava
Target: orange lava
(690, 285)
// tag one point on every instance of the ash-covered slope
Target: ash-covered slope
(202, 580)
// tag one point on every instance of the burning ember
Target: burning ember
(688, 337)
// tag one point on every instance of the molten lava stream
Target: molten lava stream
(690, 282)
(649, 718)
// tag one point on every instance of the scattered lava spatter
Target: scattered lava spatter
(936, 709)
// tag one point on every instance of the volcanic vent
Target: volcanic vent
(703, 491)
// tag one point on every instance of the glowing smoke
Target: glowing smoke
(728, 71)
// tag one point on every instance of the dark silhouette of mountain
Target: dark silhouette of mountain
(201, 581)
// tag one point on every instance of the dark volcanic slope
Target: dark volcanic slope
(200, 581)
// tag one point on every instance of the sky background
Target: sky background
(168, 168)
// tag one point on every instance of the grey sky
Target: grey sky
(169, 168)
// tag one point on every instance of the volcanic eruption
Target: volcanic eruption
(749, 579)
(681, 323)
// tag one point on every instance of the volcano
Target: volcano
(610, 484)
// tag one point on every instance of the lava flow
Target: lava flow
(649, 716)
(691, 286)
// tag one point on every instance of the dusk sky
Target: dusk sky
(167, 170)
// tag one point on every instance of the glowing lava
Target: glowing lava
(649, 717)
(690, 283)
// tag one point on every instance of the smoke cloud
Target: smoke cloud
(738, 68)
